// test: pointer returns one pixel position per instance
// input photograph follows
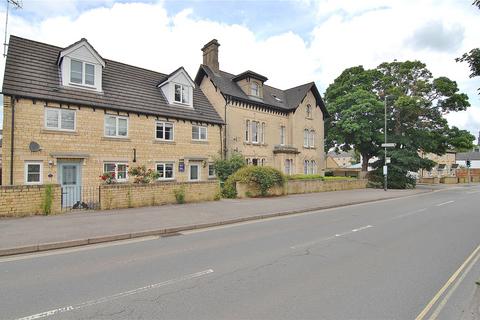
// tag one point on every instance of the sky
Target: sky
(290, 42)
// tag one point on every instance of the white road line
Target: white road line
(116, 296)
(444, 203)
(409, 213)
(471, 192)
(311, 243)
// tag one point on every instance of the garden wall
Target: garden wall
(129, 195)
(302, 186)
(17, 201)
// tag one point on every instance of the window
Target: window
(306, 163)
(60, 119)
(247, 130)
(199, 133)
(314, 167)
(181, 94)
(116, 126)
(288, 166)
(262, 133)
(33, 172)
(211, 170)
(255, 90)
(164, 131)
(282, 135)
(165, 170)
(309, 111)
(119, 170)
(306, 133)
(311, 143)
(255, 126)
(255, 161)
(194, 174)
(308, 138)
(82, 73)
(263, 162)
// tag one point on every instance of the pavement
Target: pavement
(40, 233)
(405, 258)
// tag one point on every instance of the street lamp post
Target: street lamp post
(385, 170)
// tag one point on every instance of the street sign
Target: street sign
(389, 145)
(385, 170)
(388, 160)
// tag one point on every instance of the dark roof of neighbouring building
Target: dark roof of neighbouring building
(273, 98)
(31, 72)
(468, 155)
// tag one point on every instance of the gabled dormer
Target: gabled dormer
(251, 83)
(81, 66)
(178, 88)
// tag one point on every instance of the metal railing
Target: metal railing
(80, 198)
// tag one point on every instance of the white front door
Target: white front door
(69, 177)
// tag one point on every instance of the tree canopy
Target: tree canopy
(416, 103)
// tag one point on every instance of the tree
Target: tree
(415, 109)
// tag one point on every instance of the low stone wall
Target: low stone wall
(302, 186)
(131, 195)
(17, 201)
(449, 180)
(465, 179)
(429, 180)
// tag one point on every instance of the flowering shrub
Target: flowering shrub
(108, 177)
(142, 175)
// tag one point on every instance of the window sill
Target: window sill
(158, 141)
(53, 131)
(116, 139)
(200, 141)
(313, 148)
(255, 144)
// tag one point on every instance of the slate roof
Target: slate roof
(31, 72)
(468, 155)
(274, 98)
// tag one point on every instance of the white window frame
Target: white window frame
(116, 126)
(314, 167)
(162, 123)
(262, 133)
(255, 89)
(306, 138)
(282, 135)
(184, 92)
(200, 133)
(84, 69)
(311, 139)
(164, 163)
(190, 165)
(288, 166)
(255, 133)
(116, 169)
(214, 173)
(247, 130)
(40, 163)
(305, 166)
(59, 119)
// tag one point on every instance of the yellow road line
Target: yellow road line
(446, 285)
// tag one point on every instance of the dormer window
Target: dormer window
(255, 90)
(182, 94)
(82, 73)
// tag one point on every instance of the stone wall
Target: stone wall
(16, 201)
(130, 195)
(302, 186)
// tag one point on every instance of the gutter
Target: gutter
(12, 140)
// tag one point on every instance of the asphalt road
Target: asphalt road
(384, 260)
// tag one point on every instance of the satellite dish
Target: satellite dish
(34, 147)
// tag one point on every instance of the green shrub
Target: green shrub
(179, 195)
(262, 178)
(328, 174)
(47, 200)
(226, 167)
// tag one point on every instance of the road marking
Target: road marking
(116, 296)
(76, 249)
(470, 192)
(311, 243)
(444, 203)
(432, 302)
(409, 213)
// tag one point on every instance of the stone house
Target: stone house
(77, 116)
(446, 165)
(342, 158)
(267, 125)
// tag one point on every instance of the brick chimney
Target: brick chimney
(210, 55)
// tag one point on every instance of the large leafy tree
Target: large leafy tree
(416, 104)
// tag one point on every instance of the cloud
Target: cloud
(435, 35)
(345, 34)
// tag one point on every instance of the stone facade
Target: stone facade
(445, 167)
(236, 115)
(89, 147)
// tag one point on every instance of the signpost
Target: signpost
(387, 160)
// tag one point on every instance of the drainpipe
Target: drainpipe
(225, 135)
(12, 140)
